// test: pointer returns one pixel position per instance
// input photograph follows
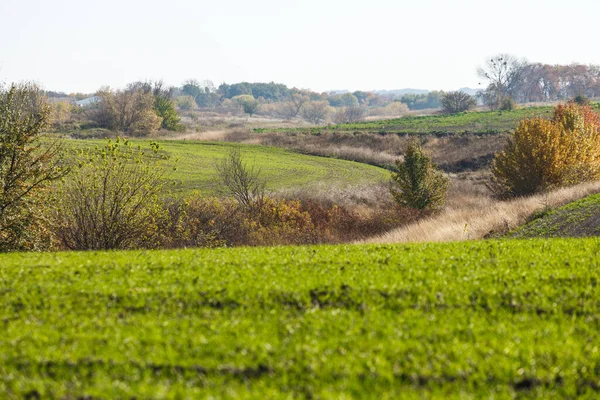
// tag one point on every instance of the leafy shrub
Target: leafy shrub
(28, 163)
(111, 199)
(456, 102)
(544, 154)
(417, 183)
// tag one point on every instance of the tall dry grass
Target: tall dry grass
(476, 216)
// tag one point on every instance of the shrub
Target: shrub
(248, 103)
(239, 180)
(508, 104)
(456, 102)
(582, 100)
(544, 154)
(185, 102)
(315, 111)
(28, 164)
(111, 200)
(417, 183)
(131, 111)
(348, 115)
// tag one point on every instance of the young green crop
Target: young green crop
(196, 161)
(458, 320)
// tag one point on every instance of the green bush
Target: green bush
(111, 199)
(417, 183)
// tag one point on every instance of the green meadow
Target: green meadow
(493, 319)
(282, 169)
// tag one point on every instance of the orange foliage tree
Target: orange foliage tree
(544, 154)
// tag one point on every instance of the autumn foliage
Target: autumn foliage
(544, 154)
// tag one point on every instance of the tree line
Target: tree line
(510, 77)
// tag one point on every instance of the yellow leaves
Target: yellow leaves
(543, 154)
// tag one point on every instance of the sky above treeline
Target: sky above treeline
(79, 46)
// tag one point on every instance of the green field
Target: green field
(282, 169)
(577, 219)
(484, 122)
(493, 319)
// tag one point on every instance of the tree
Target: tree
(131, 111)
(417, 183)
(455, 102)
(111, 199)
(503, 73)
(185, 102)
(27, 165)
(348, 115)
(248, 103)
(315, 111)
(240, 181)
(544, 154)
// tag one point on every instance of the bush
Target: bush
(131, 111)
(456, 102)
(508, 104)
(28, 164)
(348, 115)
(582, 100)
(544, 154)
(417, 183)
(185, 102)
(315, 111)
(248, 103)
(111, 200)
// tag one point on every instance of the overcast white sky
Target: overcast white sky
(80, 45)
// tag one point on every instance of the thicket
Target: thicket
(545, 154)
(141, 109)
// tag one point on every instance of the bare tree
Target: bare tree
(503, 75)
(239, 180)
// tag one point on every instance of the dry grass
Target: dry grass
(472, 216)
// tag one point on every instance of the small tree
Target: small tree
(27, 165)
(315, 111)
(455, 102)
(348, 115)
(239, 180)
(417, 183)
(111, 200)
(248, 103)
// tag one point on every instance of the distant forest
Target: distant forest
(503, 77)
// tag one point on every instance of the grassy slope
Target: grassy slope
(519, 318)
(472, 122)
(281, 168)
(577, 219)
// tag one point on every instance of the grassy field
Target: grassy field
(483, 122)
(577, 219)
(499, 319)
(282, 169)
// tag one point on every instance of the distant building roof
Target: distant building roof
(88, 101)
